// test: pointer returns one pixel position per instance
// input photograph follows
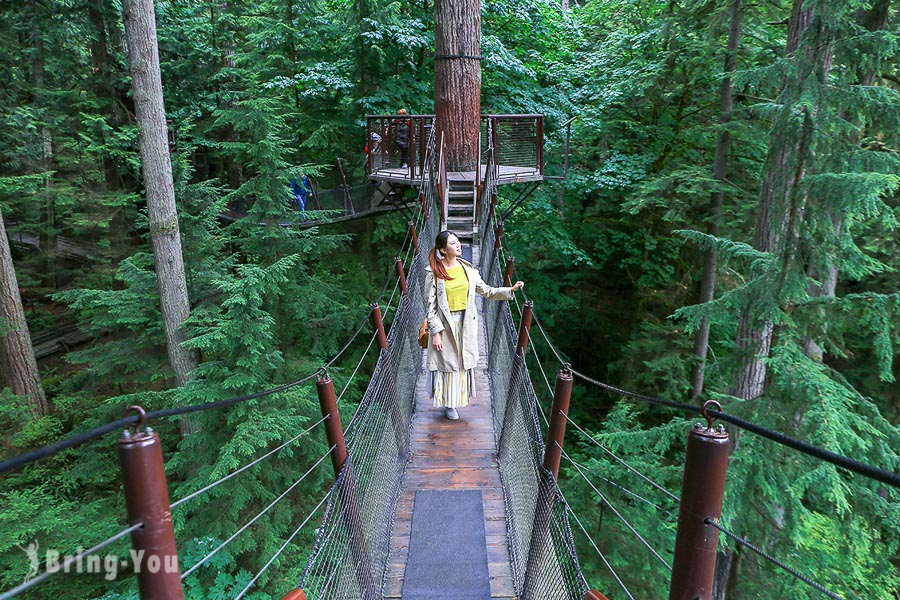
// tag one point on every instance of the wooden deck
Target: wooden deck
(454, 455)
(507, 174)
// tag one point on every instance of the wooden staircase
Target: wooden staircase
(461, 209)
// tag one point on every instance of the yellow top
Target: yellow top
(457, 288)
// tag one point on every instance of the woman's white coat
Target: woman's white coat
(439, 321)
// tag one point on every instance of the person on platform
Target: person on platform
(401, 137)
(452, 283)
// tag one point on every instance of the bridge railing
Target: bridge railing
(349, 556)
(395, 140)
(518, 142)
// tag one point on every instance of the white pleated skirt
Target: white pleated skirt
(453, 390)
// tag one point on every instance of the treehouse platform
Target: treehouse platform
(396, 149)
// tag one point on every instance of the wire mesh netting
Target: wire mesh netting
(350, 553)
(541, 548)
(349, 557)
(515, 139)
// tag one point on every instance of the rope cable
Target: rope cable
(258, 516)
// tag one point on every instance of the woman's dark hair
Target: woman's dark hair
(437, 267)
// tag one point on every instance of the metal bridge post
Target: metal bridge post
(348, 497)
(508, 275)
(401, 276)
(543, 510)
(378, 325)
(525, 327)
(147, 499)
(556, 433)
(414, 236)
(702, 490)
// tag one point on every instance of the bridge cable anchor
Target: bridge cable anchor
(706, 405)
(142, 416)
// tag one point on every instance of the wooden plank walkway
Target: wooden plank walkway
(454, 455)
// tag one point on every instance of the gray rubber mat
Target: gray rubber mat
(447, 547)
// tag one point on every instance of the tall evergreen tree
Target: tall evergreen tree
(140, 26)
(17, 363)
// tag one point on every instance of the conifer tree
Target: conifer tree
(140, 26)
(17, 363)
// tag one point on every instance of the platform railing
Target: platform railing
(396, 140)
(518, 142)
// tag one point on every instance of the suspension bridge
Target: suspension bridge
(422, 507)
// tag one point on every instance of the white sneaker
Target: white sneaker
(451, 414)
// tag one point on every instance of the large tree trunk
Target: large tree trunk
(874, 19)
(720, 172)
(457, 80)
(17, 363)
(780, 214)
(780, 204)
(143, 58)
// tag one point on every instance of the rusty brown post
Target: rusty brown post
(349, 499)
(334, 432)
(378, 325)
(702, 490)
(401, 276)
(424, 204)
(414, 236)
(147, 500)
(556, 433)
(525, 327)
(298, 594)
(508, 275)
(543, 510)
(589, 595)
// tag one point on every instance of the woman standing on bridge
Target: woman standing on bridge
(453, 321)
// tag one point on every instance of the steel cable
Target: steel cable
(774, 560)
(602, 557)
(358, 365)
(257, 517)
(622, 461)
(247, 466)
(281, 550)
(68, 562)
(615, 510)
